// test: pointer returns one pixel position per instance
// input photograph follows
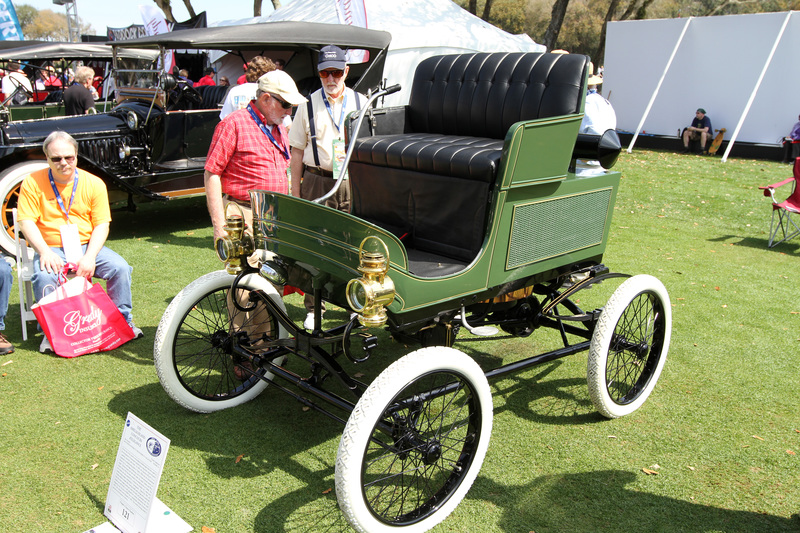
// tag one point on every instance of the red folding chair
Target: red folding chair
(786, 225)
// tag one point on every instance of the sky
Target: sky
(121, 13)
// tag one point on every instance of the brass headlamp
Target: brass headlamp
(237, 244)
(369, 294)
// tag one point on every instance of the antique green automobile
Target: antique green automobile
(467, 215)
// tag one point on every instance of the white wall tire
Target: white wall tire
(629, 346)
(191, 350)
(425, 468)
(10, 181)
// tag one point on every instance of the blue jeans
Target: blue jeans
(6, 280)
(109, 266)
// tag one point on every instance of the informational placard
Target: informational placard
(137, 471)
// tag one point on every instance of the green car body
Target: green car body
(542, 219)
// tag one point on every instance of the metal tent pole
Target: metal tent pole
(755, 89)
(658, 87)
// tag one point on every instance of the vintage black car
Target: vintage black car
(153, 144)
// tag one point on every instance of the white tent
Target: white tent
(739, 68)
(419, 28)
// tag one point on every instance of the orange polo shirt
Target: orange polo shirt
(37, 202)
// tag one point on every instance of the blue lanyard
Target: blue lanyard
(330, 111)
(260, 124)
(58, 195)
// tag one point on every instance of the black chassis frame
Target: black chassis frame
(311, 346)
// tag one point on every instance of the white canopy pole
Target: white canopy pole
(755, 89)
(658, 87)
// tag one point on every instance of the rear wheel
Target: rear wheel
(415, 442)
(10, 181)
(193, 347)
(629, 346)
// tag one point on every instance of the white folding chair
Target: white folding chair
(24, 277)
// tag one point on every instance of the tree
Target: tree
(508, 15)
(556, 20)
(472, 7)
(166, 7)
(47, 25)
(25, 15)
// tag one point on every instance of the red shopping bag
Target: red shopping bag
(79, 318)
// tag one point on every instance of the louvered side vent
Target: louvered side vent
(550, 228)
(105, 152)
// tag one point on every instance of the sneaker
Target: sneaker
(45, 346)
(5, 346)
(685, 150)
(137, 333)
(308, 323)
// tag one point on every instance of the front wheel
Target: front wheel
(629, 346)
(193, 347)
(415, 442)
(10, 182)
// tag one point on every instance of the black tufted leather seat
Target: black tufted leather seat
(213, 96)
(430, 183)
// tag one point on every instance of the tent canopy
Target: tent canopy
(718, 65)
(419, 29)
(292, 40)
(70, 51)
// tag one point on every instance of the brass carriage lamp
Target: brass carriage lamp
(369, 294)
(236, 245)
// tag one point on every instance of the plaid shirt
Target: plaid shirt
(244, 158)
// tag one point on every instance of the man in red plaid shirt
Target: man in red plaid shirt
(250, 149)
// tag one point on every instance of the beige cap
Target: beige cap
(280, 84)
(594, 79)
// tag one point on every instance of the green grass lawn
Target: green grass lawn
(721, 429)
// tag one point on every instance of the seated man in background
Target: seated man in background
(700, 130)
(64, 214)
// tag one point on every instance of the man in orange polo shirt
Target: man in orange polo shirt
(64, 214)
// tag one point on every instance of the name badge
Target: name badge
(71, 243)
(339, 152)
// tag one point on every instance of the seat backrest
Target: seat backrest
(483, 94)
(213, 95)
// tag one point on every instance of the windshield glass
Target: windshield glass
(140, 79)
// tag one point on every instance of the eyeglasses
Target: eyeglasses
(57, 159)
(338, 73)
(284, 103)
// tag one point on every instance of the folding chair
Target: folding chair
(24, 277)
(786, 225)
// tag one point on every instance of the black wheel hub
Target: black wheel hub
(431, 452)
(221, 341)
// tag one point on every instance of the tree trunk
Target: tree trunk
(276, 4)
(601, 46)
(472, 6)
(556, 20)
(165, 7)
(256, 8)
(189, 8)
(487, 7)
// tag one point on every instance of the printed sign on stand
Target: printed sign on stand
(131, 503)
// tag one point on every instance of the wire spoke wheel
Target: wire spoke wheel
(194, 344)
(415, 442)
(629, 346)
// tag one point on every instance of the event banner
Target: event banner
(9, 24)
